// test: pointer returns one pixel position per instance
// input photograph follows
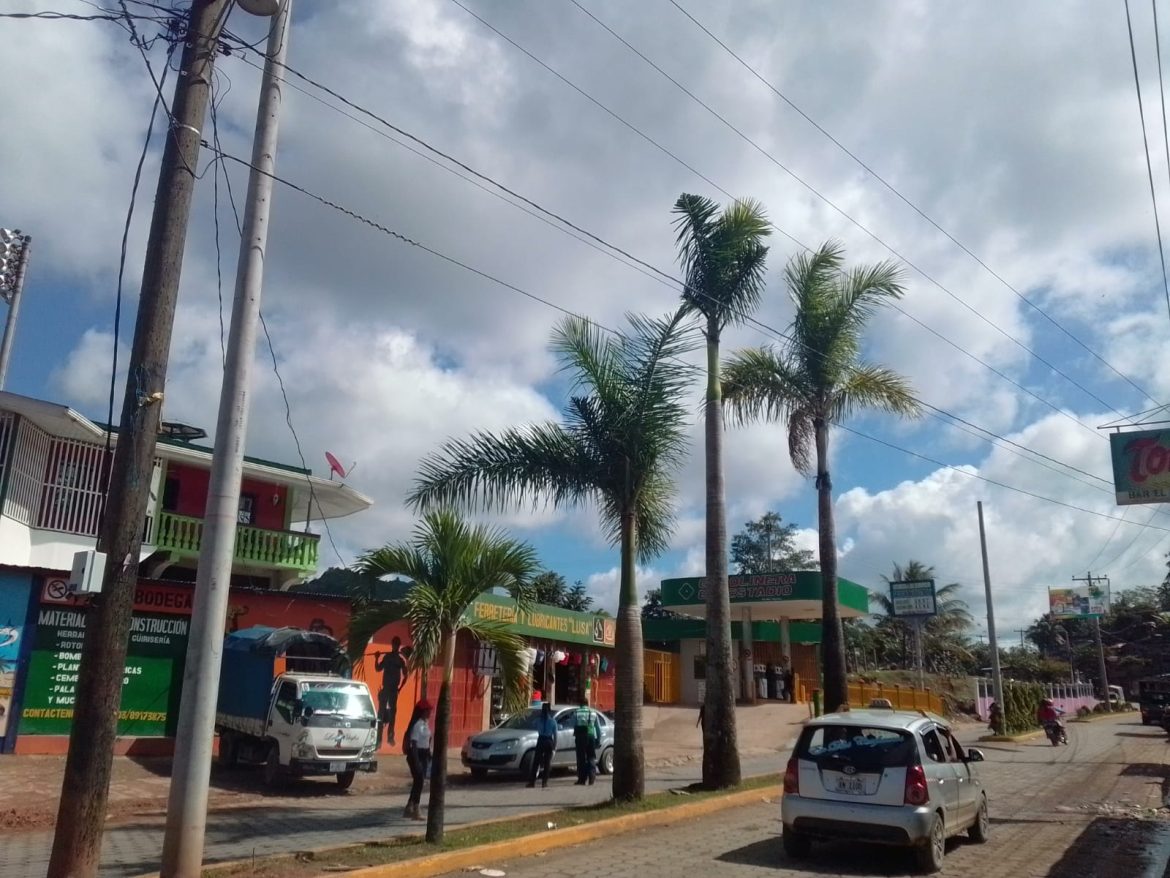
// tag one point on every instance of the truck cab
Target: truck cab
(323, 725)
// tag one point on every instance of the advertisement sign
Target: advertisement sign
(1141, 466)
(13, 606)
(543, 621)
(913, 598)
(1073, 603)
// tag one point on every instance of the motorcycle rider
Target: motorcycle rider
(1049, 714)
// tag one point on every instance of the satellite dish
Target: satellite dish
(335, 465)
(181, 432)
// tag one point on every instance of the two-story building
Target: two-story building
(53, 466)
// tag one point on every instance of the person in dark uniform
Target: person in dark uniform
(586, 737)
(546, 746)
(392, 666)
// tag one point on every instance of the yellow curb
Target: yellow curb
(1098, 717)
(1011, 739)
(526, 846)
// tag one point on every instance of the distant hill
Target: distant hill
(341, 582)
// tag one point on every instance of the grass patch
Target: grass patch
(375, 853)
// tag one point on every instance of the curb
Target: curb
(526, 846)
(1011, 739)
(1099, 717)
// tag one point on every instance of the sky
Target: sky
(1017, 204)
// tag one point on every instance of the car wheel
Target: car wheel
(272, 771)
(229, 750)
(605, 761)
(796, 845)
(981, 827)
(345, 780)
(478, 773)
(526, 765)
(1145, 722)
(930, 856)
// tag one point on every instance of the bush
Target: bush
(1083, 712)
(1101, 707)
(1022, 700)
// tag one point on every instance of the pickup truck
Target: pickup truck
(286, 702)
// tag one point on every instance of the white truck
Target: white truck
(285, 703)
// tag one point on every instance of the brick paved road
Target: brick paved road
(1060, 813)
(337, 820)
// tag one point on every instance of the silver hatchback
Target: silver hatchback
(885, 777)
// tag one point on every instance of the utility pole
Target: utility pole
(11, 291)
(996, 676)
(186, 824)
(81, 815)
(1101, 669)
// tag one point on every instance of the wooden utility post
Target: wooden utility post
(85, 789)
(1092, 580)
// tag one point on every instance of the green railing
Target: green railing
(254, 547)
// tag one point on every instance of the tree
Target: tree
(549, 588)
(451, 563)
(653, 607)
(622, 439)
(723, 259)
(768, 546)
(577, 598)
(817, 380)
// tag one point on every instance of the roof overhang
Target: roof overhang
(772, 596)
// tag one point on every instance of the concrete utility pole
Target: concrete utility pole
(996, 676)
(187, 804)
(85, 788)
(10, 291)
(1101, 669)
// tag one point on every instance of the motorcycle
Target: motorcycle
(1056, 732)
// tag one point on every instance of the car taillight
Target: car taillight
(917, 793)
(792, 777)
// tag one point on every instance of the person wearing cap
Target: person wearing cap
(418, 756)
(546, 745)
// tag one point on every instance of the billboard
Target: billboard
(1141, 466)
(1078, 603)
(913, 598)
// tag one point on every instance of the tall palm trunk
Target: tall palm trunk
(436, 808)
(832, 634)
(720, 741)
(629, 764)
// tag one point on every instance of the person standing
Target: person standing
(586, 736)
(418, 756)
(546, 745)
(392, 666)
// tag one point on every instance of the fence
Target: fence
(662, 671)
(1069, 697)
(901, 697)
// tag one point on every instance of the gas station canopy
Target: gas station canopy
(769, 596)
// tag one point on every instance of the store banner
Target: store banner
(1078, 603)
(1141, 466)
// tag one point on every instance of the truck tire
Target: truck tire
(229, 749)
(345, 780)
(272, 770)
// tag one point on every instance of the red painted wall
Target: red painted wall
(192, 496)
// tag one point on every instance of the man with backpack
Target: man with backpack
(586, 736)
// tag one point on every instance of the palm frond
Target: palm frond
(873, 387)
(367, 621)
(509, 649)
(589, 353)
(759, 384)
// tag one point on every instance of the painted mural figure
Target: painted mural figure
(392, 666)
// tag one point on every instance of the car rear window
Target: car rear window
(864, 748)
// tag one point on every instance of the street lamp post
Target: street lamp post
(14, 247)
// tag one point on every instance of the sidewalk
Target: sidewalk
(30, 786)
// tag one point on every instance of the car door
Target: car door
(282, 718)
(606, 733)
(566, 747)
(941, 777)
(970, 784)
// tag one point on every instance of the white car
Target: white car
(884, 777)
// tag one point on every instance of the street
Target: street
(1083, 810)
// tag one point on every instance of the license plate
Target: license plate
(337, 767)
(853, 786)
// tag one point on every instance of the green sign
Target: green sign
(1141, 466)
(552, 623)
(150, 686)
(802, 585)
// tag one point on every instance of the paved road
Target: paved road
(1060, 813)
(337, 820)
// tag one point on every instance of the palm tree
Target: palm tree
(451, 563)
(723, 256)
(944, 633)
(819, 379)
(622, 439)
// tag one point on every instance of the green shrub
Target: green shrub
(1083, 712)
(1022, 700)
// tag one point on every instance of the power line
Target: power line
(820, 195)
(589, 238)
(918, 210)
(1149, 166)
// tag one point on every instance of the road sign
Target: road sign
(913, 598)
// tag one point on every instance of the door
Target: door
(970, 787)
(941, 776)
(566, 747)
(282, 718)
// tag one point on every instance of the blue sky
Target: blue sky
(1016, 133)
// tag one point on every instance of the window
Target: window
(867, 749)
(700, 667)
(954, 748)
(286, 699)
(601, 718)
(339, 699)
(567, 720)
(934, 747)
(170, 497)
(247, 513)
